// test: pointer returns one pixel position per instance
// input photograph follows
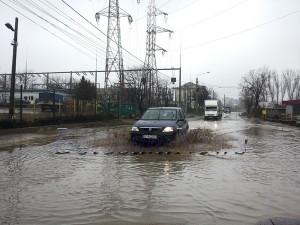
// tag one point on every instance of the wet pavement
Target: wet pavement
(40, 187)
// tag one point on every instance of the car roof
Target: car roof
(165, 108)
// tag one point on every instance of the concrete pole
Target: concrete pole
(13, 73)
(197, 95)
(180, 80)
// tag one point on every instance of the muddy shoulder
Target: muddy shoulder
(13, 137)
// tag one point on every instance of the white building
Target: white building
(31, 95)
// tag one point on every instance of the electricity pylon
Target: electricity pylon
(150, 76)
(114, 58)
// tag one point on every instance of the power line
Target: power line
(82, 39)
(243, 31)
(99, 29)
(76, 38)
(46, 29)
(52, 24)
(102, 32)
(87, 43)
(213, 16)
(165, 4)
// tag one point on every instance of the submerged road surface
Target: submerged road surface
(39, 187)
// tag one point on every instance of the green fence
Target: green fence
(118, 110)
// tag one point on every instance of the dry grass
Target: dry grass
(200, 139)
(118, 140)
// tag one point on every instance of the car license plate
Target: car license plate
(150, 136)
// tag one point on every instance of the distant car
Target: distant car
(227, 109)
(159, 124)
(25, 103)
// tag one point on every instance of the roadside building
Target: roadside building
(188, 97)
(31, 96)
(292, 107)
(274, 114)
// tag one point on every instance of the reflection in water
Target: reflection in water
(11, 184)
(39, 187)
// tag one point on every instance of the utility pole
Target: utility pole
(114, 58)
(47, 82)
(151, 47)
(13, 73)
(71, 80)
(180, 80)
(198, 88)
(197, 104)
(5, 82)
(96, 86)
(26, 76)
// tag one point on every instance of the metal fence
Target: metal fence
(69, 111)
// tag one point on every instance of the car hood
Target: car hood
(155, 123)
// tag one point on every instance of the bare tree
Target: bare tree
(253, 87)
(292, 80)
(282, 87)
(271, 85)
(4, 81)
(26, 79)
(276, 82)
(163, 94)
(58, 82)
(136, 85)
(298, 88)
(246, 98)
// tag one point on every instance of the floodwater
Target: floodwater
(39, 187)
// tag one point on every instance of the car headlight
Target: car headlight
(168, 129)
(134, 129)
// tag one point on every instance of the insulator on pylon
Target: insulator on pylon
(130, 20)
(138, 1)
(97, 16)
(166, 17)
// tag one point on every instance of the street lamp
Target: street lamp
(13, 71)
(199, 75)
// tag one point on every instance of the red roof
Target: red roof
(291, 102)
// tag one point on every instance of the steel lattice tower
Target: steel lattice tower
(114, 58)
(150, 75)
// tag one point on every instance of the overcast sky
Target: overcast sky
(225, 37)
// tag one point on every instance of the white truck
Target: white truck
(212, 110)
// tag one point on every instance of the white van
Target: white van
(213, 110)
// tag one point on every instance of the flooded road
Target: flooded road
(39, 187)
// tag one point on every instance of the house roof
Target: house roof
(291, 102)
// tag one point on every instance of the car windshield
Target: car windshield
(211, 108)
(159, 114)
